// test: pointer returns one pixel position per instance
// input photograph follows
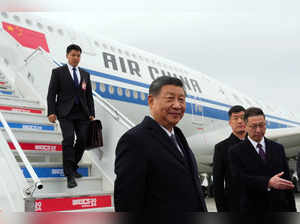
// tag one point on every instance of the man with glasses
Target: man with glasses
(226, 196)
(260, 167)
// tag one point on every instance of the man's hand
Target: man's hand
(92, 118)
(52, 118)
(279, 183)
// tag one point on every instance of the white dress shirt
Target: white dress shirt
(254, 143)
(170, 134)
(77, 72)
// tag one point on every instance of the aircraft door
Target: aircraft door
(197, 114)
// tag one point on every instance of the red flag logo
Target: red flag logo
(26, 37)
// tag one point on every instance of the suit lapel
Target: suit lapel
(268, 152)
(252, 151)
(81, 77)
(256, 156)
(68, 74)
(158, 133)
(187, 150)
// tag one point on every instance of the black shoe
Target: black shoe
(71, 181)
(77, 175)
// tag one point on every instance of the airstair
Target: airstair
(31, 173)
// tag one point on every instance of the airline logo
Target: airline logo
(20, 109)
(57, 171)
(85, 202)
(26, 37)
(64, 204)
(50, 172)
(37, 147)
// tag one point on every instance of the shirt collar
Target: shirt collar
(166, 130)
(254, 143)
(71, 67)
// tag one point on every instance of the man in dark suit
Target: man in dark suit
(70, 100)
(155, 168)
(226, 196)
(260, 166)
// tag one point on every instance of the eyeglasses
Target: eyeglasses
(255, 126)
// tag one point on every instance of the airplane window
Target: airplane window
(135, 94)
(221, 91)
(127, 93)
(94, 86)
(126, 52)
(111, 90)
(200, 108)
(96, 43)
(112, 49)
(50, 28)
(104, 46)
(6, 61)
(17, 18)
(4, 14)
(120, 51)
(120, 91)
(102, 87)
(60, 31)
(28, 22)
(143, 97)
(141, 58)
(133, 55)
(39, 25)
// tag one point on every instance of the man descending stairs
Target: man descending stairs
(41, 143)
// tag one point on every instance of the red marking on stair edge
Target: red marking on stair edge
(2, 83)
(37, 146)
(21, 109)
(77, 203)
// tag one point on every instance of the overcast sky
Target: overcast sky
(252, 46)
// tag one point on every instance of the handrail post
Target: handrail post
(36, 180)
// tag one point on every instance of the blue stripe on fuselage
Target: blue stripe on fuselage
(206, 111)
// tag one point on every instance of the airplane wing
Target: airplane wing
(288, 137)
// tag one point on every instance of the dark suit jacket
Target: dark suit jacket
(226, 198)
(151, 172)
(62, 92)
(254, 174)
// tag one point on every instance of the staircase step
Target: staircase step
(17, 101)
(51, 171)
(4, 84)
(59, 185)
(19, 117)
(31, 126)
(19, 109)
(78, 203)
(23, 135)
(6, 92)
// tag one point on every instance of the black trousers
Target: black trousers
(76, 122)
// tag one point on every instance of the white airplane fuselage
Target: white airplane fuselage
(122, 75)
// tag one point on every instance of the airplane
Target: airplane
(122, 74)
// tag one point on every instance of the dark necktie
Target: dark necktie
(261, 152)
(174, 140)
(76, 83)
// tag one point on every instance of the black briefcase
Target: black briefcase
(95, 138)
